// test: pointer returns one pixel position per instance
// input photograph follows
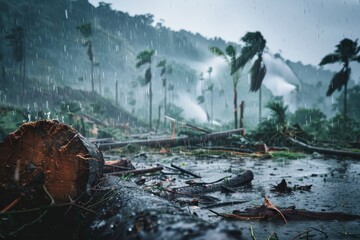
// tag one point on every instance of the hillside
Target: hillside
(56, 57)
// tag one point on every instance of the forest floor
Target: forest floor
(332, 187)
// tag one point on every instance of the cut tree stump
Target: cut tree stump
(50, 156)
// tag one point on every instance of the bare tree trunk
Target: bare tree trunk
(92, 77)
(345, 106)
(235, 107)
(260, 116)
(116, 93)
(150, 108)
(242, 107)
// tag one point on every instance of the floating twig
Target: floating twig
(185, 171)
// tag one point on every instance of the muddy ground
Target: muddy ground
(335, 188)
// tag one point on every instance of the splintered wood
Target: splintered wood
(51, 155)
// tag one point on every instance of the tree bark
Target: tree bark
(326, 151)
(131, 213)
(235, 108)
(51, 155)
(168, 142)
(192, 191)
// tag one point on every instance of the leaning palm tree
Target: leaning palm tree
(346, 51)
(145, 57)
(230, 57)
(86, 31)
(254, 45)
(165, 70)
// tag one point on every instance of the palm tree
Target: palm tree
(346, 51)
(165, 69)
(86, 31)
(145, 57)
(211, 88)
(16, 39)
(230, 57)
(254, 45)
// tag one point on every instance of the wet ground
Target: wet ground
(335, 188)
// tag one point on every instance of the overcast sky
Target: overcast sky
(301, 30)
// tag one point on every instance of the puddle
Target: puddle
(335, 188)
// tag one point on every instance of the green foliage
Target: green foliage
(278, 111)
(257, 74)
(254, 44)
(337, 132)
(312, 121)
(353, 102)
(338, 80)
(70, 107)
(346, 51)
(200, 99)
(85, 30)
(144, 57)
(97, 108)
(10, 120)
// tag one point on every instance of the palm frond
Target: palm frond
(230, 51)
(257, 74)
(144, 57)
(255, 40)
(200, 99)
(140, 63)
(338, 80)
(218, 52)
(161, 63)
(346, 49)
(148, 76)
(278, 111)
(247, 53)
(357, 58)
(85, 29)
(163, 71)
(330, 58)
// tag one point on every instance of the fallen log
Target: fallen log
(326, 151)
(168, 142)
(47, 155)
(136, 171)
(44, 153)
(290, 213)
(193, 191)
(131, 213)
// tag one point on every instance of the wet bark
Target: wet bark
(131, 213)
(326, 151)
(65, 206)
(47, 155)
(192, 191)
(168, 142)
(290, 213)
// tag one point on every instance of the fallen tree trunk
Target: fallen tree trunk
(54, 156)
(50, 156)
(131, 213)
(326, 151)
(192, 191)
(290, 214)
(168, 142)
